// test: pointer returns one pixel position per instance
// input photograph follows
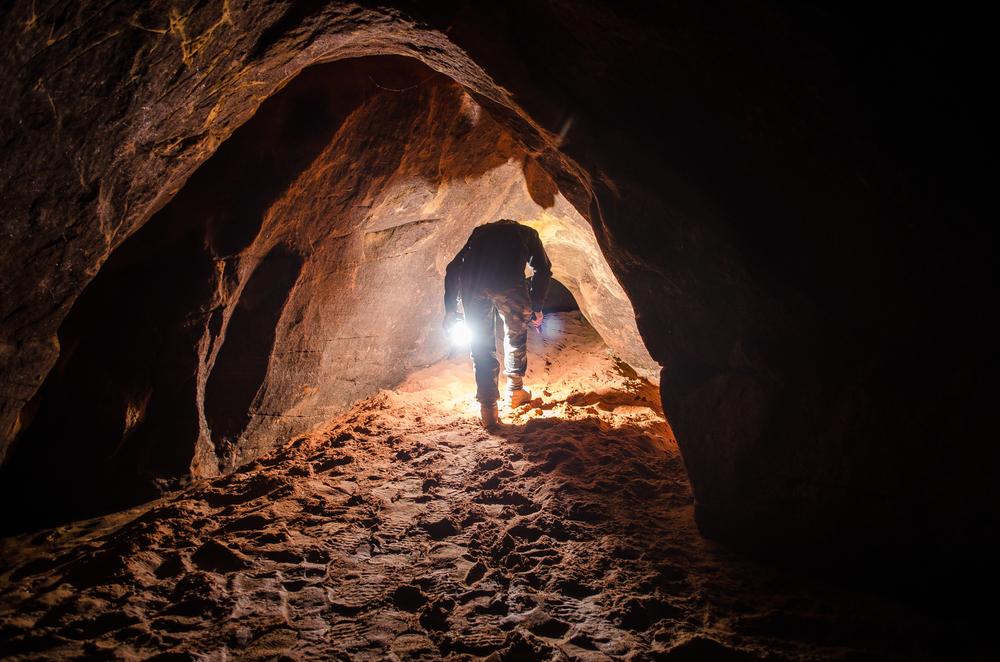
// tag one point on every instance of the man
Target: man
(488, 275)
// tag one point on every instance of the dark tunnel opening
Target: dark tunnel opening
(559, 299)
(241, 366)
(116, 413)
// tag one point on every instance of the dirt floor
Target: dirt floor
(403, 530)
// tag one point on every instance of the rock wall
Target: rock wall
(300, 269)
(780, 191)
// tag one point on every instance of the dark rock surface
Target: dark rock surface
(784, 194)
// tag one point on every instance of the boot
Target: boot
(518, 397)
(490, 415)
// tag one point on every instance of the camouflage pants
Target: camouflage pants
(514, 307)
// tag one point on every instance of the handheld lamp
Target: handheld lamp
(459, 334)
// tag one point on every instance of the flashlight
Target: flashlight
(459, 334)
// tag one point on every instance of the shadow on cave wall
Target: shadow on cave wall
(116, 421)
(558, 299)
(241, 366)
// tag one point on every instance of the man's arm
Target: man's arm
(452, 278)
(542, 268)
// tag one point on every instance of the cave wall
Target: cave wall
(785, 194)
(300, 269)
(378, 215)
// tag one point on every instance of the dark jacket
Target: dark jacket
(493, 260)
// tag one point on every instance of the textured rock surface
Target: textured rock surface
(757, 193)
(299, 270)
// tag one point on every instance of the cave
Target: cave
(758, 390)
(286, 257)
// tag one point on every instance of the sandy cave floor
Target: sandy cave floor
(402, 530)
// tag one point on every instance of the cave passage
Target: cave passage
(231, 425)
(298, 270)
(395, 517)
(402, 529)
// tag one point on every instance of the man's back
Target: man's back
(496, 254)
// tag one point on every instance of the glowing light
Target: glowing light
(459, 334)
(551, 327)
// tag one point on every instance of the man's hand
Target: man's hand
(450, 320)
(536, 320)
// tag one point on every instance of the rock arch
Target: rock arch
(299, 270)
(773, 242)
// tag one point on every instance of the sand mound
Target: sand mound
(403, 530)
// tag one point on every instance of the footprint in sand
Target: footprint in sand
(213, 556)
(440, 529)
(332, 463)
(409, 598)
